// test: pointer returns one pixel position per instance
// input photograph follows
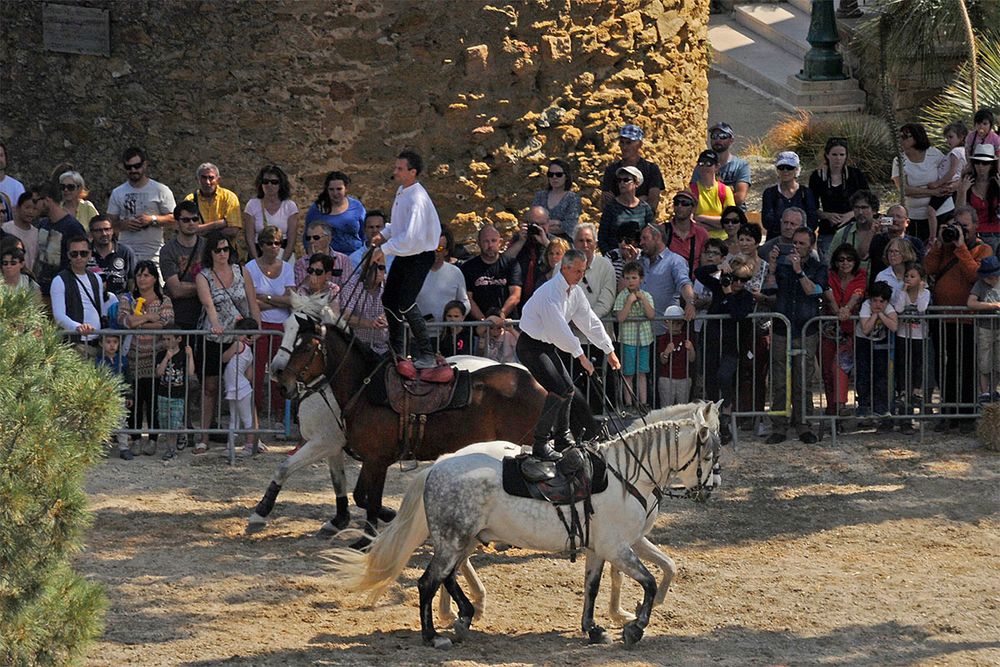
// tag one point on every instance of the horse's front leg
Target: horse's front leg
(630, 564)
(339, 479)
(373, 475)
(591, 584)
(646, 550)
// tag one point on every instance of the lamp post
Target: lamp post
(822, 62)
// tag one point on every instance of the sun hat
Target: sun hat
(674, 311)
(631, 171)
(984, 153)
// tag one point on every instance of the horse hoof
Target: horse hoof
(386, 514)
(340, 522)
(327, 530)
(631, 634)
(598, 635)
(440, 642)
(360, 544)
(461, 628)
(255, 524)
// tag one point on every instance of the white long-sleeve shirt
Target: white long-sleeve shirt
(547, 314)
(414, 224)
(91, 315)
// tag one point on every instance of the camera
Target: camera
(337, 272)
(534, 229)
(725, 280)
(950, 234)
(885, 222)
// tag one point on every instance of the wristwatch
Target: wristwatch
(800, 275)
(155, 222)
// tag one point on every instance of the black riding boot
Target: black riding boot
(423, 353)
(541, 449)
(396, 340)
(563, 435)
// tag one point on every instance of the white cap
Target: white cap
(674, 311)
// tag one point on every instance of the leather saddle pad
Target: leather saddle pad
(418, 397)
(563, 488)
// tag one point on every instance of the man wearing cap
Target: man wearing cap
(787, 193)
(626, 206)
(954, 265)
(713, 195)
(544, 331)
(734, 171)
(683, 236)
(651, 183)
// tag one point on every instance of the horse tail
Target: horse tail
(390, 551)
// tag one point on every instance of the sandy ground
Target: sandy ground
(879, 551)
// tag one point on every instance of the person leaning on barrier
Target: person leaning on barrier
(799, 287)
(953, 261)
(985, 298)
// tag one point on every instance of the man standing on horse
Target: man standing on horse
(545, 328)
(412, 238)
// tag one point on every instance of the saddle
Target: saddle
(580, 473)
(414, 396)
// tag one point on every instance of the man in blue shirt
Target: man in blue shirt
(733, 170)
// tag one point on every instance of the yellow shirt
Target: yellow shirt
(709, 203)
(224, 206)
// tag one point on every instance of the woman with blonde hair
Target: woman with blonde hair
(74, 197)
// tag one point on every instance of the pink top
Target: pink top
(972, 140)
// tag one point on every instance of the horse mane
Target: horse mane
(336, 323)
(309, 305)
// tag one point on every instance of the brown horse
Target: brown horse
(505, 404)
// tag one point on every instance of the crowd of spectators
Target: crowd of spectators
(826, 247)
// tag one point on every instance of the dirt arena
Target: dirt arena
(881, 551)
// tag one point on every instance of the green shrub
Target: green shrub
(955, 101)
(56, 410)
(871, 144)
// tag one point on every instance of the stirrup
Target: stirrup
(545, 452)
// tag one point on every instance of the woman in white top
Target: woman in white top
(273, 281)
(898, 254)
(271, 207)
(920, 165)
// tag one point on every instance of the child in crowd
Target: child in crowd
(871, 349)
(675, 352)
(455, 339)
(635, 337)
(238, 358)
(911, 304)
(985, 298)
(982, 132)
(111, 358)
(173, 368)
(949, 173)
(499, 341)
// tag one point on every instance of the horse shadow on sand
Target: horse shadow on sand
(732, 645)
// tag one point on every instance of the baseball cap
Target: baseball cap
(722, 127)
(787, 159)
(631, 171)
(632, 132)
(686, 194)
(990, 267)
(710, 157)
(674, 311)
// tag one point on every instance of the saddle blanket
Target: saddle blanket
(560, 490)
(423, 398)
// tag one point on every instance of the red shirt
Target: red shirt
(684, 247)
(677, 367)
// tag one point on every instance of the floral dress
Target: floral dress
(231, 304)
(143, 348)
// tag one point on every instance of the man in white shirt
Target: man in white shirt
(11, 189)
(77, 298)
(140, 207)
(412, 238)
(545, 329)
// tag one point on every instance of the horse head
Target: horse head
(304, 309)
(708, 451)
(306, 364)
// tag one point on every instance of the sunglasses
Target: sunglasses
(905, 135)
(785, 167)
(730, 221)
(78, 253)
(380, 267)
(316, 237)
(135, 166)
(683, 202)
(737, 279)
(706, 164)
(271, 243)
(11, 262)
(556, 174)
(219, 251)
(101, 230)
(587, 285)
(270, 181)
(844, 259)
(187, 219)
(626, 180)
(315, 272)
(68, 186)
(721, 135)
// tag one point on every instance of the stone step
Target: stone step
(784, 25)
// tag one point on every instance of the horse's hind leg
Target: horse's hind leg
(477, 595)
(618, 615)
(592, 583)
(437, 571)
(646, 550)
(465, 609)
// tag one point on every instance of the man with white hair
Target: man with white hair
(219, 207)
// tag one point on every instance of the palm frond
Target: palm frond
(954, 102)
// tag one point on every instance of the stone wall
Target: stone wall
(487, 93)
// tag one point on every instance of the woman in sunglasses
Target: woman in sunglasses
(833, 183)
(273, 281)
(74, 197)
(318, 242)
(12, 259)
(848, 281)
(273, 207)
(562, 204)
(786, 194)
(227, 294)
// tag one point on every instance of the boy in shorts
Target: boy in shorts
(635, 337)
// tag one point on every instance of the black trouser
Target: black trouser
(542, 360)
(406, 277)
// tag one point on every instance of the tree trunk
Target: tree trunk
(973, 66)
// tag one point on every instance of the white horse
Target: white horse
(460, 500)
